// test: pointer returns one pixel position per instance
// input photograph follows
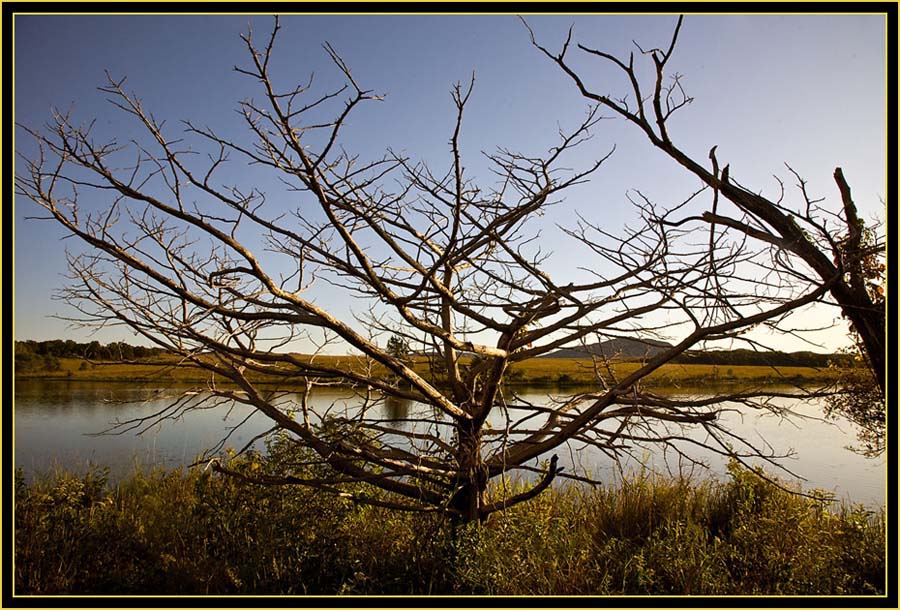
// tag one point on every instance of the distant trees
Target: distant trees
(27, 359)
(749, 357)
(29, 352)
(398, 347)
(450, 265)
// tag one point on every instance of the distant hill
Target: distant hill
(617, 349)
(637, 349)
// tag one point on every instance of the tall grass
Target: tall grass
(668, 536)
(174, 532)
(553, 372)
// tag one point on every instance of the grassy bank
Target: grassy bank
(181, 533)
(537, 372)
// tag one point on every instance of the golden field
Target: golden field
(540, 372)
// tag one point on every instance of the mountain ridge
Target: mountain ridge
(618, 348)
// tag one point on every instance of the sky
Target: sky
(806, 90)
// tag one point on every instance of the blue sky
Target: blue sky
(807, 90)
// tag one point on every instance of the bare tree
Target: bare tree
(813, 245)
(450, 266)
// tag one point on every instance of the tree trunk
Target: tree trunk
(472, 481)
(866, 315)
(851, 296)
(868, 322)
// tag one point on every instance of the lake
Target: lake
(56, 424)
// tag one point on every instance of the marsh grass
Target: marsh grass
(538, 372)
(177, 532)
(655, 535)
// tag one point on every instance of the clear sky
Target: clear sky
(807, 90)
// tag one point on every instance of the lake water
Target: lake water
(56, 423)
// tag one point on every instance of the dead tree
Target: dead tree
(449, 265)
(816, 246)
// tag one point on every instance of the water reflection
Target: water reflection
(54, 422)
(397, 409)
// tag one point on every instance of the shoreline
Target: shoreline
(562, 373)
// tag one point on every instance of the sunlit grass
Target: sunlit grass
(536, 372)
(176, 532)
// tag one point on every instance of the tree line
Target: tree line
(749, 357)
(44, 355)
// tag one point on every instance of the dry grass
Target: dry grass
(537, 372)
(582, 371)
(172, 532)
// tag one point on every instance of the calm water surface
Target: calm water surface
(56, 423)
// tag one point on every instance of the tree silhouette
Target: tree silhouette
(451, 266)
